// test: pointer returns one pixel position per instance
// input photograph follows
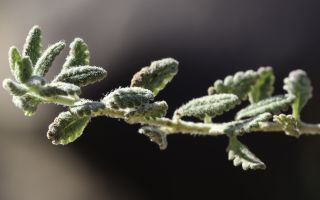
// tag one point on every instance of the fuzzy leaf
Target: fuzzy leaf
(23, 70)
(81, 75)
(32, 46)
(59, 88)
(78, 54)
(239, 84)
(240, 127)
(272, 105)
(263, 88)
(211, 106)
(128, 97)
(87, 108)
(14, 88)
(241, 155)
(14, 58)
(66, 128)
(289, 124)
(45, 61)
(156, 76)
(26, 103)
(299, 85)
(152, 110)
(155, 135)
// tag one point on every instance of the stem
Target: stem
(171, 126)
(310, 129)
(60, 100)
(295, 110)
(178, 126)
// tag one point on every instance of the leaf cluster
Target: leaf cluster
(30, 88)
(137, 103)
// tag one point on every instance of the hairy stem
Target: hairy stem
(171, 126)
(178, 126)
(60, 100)
(310, 129)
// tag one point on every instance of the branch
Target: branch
(136, 104)
(174, 126)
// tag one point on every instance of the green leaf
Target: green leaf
(14, 58)
(59, 88)
(128, 97)
(81, 75)
(14, 88)
(241, 155)
(45, 61)
(211, 106)
(156, 76)
(23, 70)
(87, 108)
(155, 135)
(263, 88)
(66, 128)
(299, 85)
(274, 105)
(239, 84)
(150, 110)
(78, 54)
(28, 104)
(32, 46)
(240, 127)
(289, 124)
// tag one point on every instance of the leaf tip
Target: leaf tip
(156, 76)
(66, 128)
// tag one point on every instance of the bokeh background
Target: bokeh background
(211, 39)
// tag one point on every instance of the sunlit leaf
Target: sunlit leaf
(156, 76)
(241, 155)
(264, 86)
(299, 85)
(274, 105)
(211, 106)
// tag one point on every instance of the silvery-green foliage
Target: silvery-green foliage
(78, 55)
(155, 135)
(136, 104)
(211, 106)
(23, 70)
(87, 107)
(240, 127)
(128, 97)
(14, 88)
(241, 155)
(299, 85)
(81, 75)
(33, 47)
(156, 76)
(30, 68)
(59, 88)
(28, 104)
(148, 111)
(66, 128)
(239, 84)
(264, 86)
(14, 58)
(288, 123)
(45, 61)
(274, 105)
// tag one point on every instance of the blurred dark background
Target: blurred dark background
(211, 39)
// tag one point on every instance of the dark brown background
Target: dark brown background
(211, 39)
